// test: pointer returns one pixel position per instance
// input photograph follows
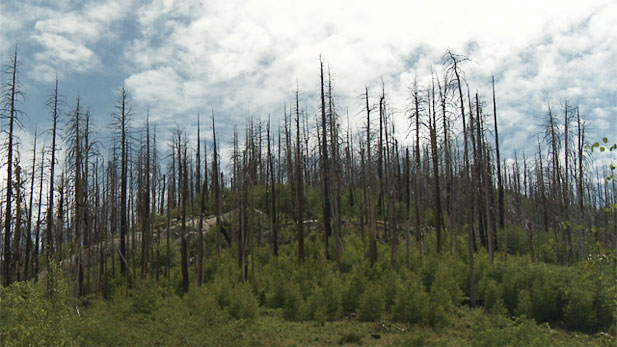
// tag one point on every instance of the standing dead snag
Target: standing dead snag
(19, 197)
(569, 114)
(144, 206)
(299, 184)
(443, 101)
(181, 148)
(28, 260)
(200, 247)
(217, 189)
(434, 155)
(407, 198)
(416, 116)
(370, 187)
(275, 245)
(479, 170)
(498, 160)
(580, 126)
(121, 121)
(168, 212)
(10, 93)
(336, 175)
(75, 152)
(37, 250)
(453, 61)
(325, 168)
(49, 232)
(89, 223)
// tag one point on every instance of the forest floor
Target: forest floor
(287, 304)
(470, 327)
(273, 330)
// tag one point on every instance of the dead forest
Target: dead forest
(116, 202)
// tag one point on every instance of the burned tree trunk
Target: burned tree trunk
(325, 170)
(10, 93)
(299, 185)
(370, 187)
(454, 62)
(498, 161)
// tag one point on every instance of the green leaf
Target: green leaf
(602, 149)
(605, 140)
(612, 166)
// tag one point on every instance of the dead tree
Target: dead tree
(416, 116)
(580, 125)
(325, 168)
(336, 174)
(498, 161)
(200, 247)
(181, 148)
(299, 184)
(370, 187)
(217, 189)
(75, 153)
(11, 93)
(453, 62)
(121, 122)
(434, 154)
(37, 250)
(443, 100)
(28, 259)
(19, 197)
(275, 245)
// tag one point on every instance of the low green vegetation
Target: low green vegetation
(283, 303)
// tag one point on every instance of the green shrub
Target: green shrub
(28, 317)
(275, 291)
(292, 302)
(518, 240)
(411, 300)
(354, 287)
(521, 332)
(579, 312)
(201, 302)
(512, 282)
(243, 303)
(324, 303)
(524, 303)
(388, 289)
(493, 300)
(429, 269)
(144, 301)
(354, 253)
(547, 300)
(440, 307)
(107, 286)
(444, 296)
(371, 304)
(605, 307)
(222, 292)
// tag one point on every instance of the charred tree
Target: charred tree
(11, 92)
(299, 184)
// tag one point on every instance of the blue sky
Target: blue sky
(241, 57)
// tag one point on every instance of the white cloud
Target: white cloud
(246, 55)
(67, 33)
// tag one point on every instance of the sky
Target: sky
(245, 57)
